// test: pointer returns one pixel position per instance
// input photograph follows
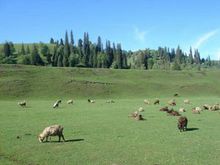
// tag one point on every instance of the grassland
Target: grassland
(101, 133)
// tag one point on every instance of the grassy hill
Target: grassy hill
(19, 81)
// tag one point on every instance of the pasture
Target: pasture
(101, 133)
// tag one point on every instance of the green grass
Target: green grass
(101, 133)
(107, 135)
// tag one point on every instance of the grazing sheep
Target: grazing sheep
(186, 101)
(164, 109)
(146, 101)
(141, 109)
(22, 103)
(172, 102)
(176, 94)
(139, 117)
(134, 114)
(91, 101)
(54, 130)
(206, 107)
(196, 110)
(214, 107)
(56, 104)
(182, 110)
(182, 123)
(157, 101)
(173, 113)
(110, 101)
(70, 102)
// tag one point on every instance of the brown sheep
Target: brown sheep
(157, 101)
(54, 130)
(182, 123)
(164, 109)
(173, 113)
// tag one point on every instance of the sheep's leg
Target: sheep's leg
(63, 137)
(59, 137)
(47, 139)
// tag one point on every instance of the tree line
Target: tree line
(66, 53)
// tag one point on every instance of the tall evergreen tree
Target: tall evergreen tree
(71, 42)
(66, 51)
(119, 56)
(28, 50)
(86, 48)
(35, 57)
(22, 49)
(7, 49)
(190, 56)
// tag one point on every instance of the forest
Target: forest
(84, 53)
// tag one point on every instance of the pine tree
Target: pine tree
(119, 56)
(86, 48)
(28, 50)
(66, 51)
(51, 41)
(22, 49)
(7, 50)
(71, 42)
(35, 57)
(190, 56)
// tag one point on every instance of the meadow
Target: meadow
(102, 133)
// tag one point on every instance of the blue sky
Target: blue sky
(136, 24)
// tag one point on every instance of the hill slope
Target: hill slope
(19, 81)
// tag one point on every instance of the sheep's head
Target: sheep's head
(41, 138)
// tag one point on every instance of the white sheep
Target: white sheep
(70, 102)
(22, 103)
(56, 104)
(146, 101)
(186, 101)
(141, 109)
(91, 101)
(182, 110)
(54, 130)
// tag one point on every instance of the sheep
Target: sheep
(176, 94)
(186, 101)
(141, 109)
(206, 107)
(173, 113)
(22, 104)
(70, 102)
(134, 114)
(139, 117)
(91, 101)
(196, 110)
(54, 130)
(172, 102)
(164, 109)
(146, 101)
(56, 104)
(110, 101)
(214, 107)
(157, 101)
(182, 123)
(182, 110)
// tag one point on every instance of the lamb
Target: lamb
(146, 101)
(157, 101)
(54, 130)
(22, 104)
(182, 123)
(70, 102)
(91, 101)
(56, 104)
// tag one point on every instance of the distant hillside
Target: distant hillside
(23, 82)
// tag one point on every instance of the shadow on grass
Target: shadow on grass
(66, 141)
(192, 129)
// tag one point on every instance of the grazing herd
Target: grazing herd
(57, 130)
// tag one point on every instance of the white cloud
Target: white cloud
(140, 35)
(205, 37)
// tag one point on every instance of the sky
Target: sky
(136, 24)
